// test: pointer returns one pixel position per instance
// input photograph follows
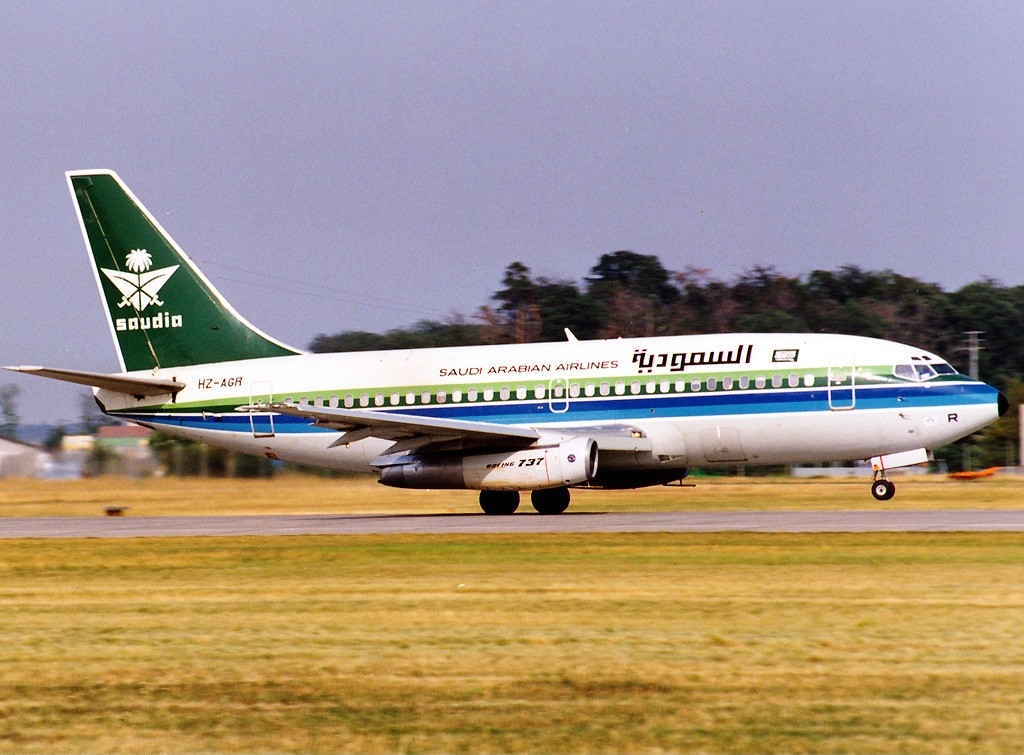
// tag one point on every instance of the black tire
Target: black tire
(550, 500)
(499, 502)
(883, 490)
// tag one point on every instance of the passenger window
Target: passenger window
(760, 382)
(695, 384)
(378, 400)
(349, 401)
(665, 386)
(588, 389)
(652, 387)
(472, 395)
(794, 380)
(680, 386)
(425, 397)
(521, 392)
(442, 396)
(620, 388)
(539, 391)
(776, 381)
(364, 400)
(505, 392)
(318, 401)
(605, 389)
(809, 380)
(456, 396)
(334, 402)
(488, 394)
(634, 387)
(396, 399)
(712, 384)
(727, 384)
(410, 398)
(744, 382)
(574, 390)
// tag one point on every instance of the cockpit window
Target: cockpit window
(921, 371)
(905, 371)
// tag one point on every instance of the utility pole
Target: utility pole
(1020, 436)
(973, 347)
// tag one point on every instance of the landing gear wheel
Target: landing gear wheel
(499, 502)
(883, 490)
(551, 500)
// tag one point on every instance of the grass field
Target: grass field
(296, 494)
(525, 643)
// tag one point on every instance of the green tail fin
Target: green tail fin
(162, 310)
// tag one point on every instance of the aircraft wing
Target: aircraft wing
(131, 385)
(411, 432)
(408, 430)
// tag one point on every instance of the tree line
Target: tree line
(629, 294)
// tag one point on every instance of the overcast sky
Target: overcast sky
(368, 165)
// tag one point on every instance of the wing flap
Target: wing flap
(411, 432)
(408, 429)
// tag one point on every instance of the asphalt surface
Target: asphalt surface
(731, 521)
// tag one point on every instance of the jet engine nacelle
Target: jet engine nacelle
(571, 463)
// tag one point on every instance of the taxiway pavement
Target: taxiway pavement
(445, 524)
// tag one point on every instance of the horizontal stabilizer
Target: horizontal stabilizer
(132, 386)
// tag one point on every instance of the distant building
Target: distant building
(125, 450)
(123, 436)
(115, 449)
(19, 459)
(77, 443)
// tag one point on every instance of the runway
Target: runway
(448, 524)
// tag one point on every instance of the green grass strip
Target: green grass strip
(582, 643)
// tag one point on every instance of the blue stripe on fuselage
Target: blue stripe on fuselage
(619, 408)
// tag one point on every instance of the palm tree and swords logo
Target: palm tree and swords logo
(141, 287)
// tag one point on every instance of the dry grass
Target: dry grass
(606, 643)
(294, 494)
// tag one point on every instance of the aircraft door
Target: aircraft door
(262, 423)
(842, 383)
(558, 395)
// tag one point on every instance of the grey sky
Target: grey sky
(367, 165)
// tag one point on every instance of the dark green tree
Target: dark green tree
(996, 312)
(640, 274)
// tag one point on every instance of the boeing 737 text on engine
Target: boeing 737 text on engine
(545, 418)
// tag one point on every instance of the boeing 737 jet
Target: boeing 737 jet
(544, 418)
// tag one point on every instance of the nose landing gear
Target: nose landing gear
(882, 489)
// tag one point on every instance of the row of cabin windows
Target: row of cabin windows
(559, 391)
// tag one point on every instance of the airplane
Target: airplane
(501, 419)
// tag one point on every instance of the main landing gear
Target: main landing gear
(882, 489)
(499, 502)
(550, 500)
(505, 502)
